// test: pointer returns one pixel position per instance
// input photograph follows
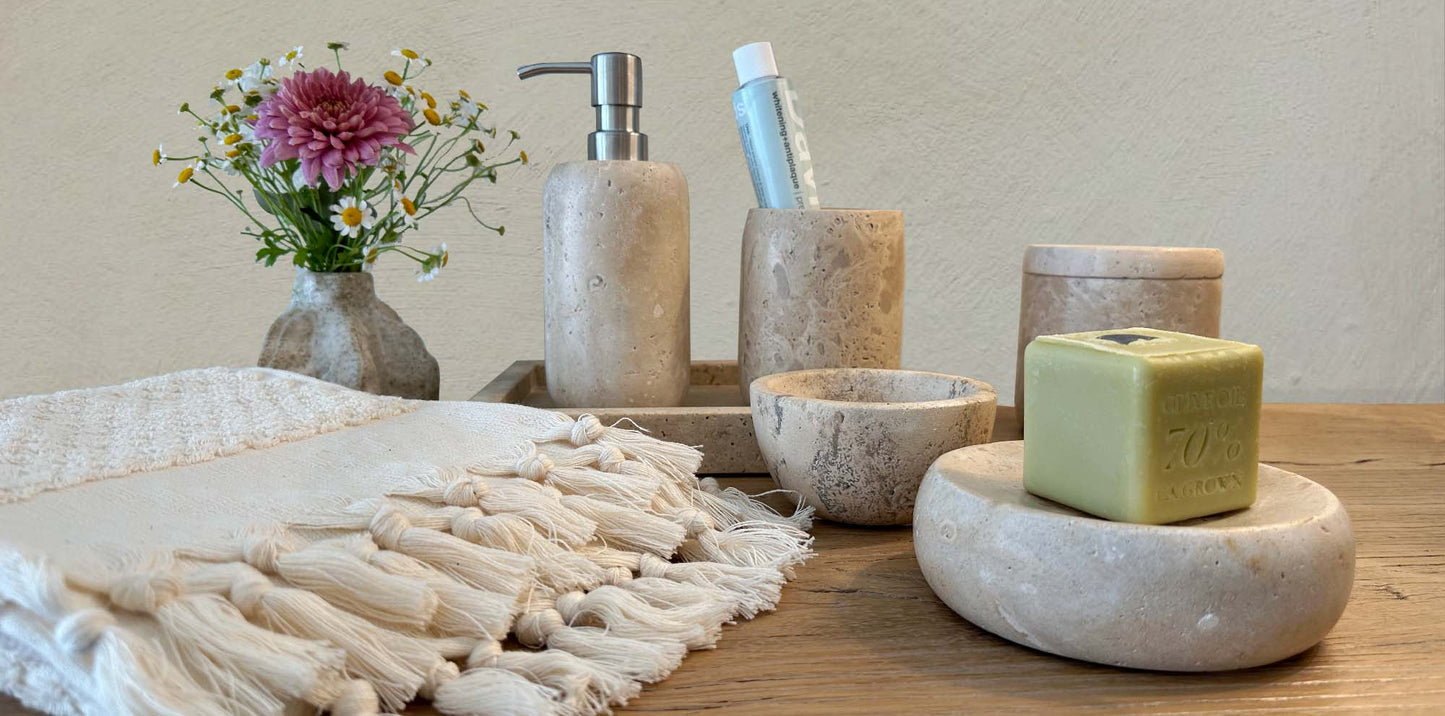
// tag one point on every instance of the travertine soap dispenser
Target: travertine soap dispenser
(615, 256)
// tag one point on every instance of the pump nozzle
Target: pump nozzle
(617, 95)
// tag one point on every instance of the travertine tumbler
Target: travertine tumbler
(1070, 289)
(821, 288)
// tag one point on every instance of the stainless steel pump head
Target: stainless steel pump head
(617, 95)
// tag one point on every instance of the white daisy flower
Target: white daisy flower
(412, 55)
(408, 212)
(158, 157)
(433, 265)
(350, 216)
(468, 109)
(186, 173)
(290, 58)
(247, 132)
(254, 77)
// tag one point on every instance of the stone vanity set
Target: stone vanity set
(1133, 526)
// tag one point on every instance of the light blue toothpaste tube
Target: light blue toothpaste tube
(774, 140)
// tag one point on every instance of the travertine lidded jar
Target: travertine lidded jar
(1069, 289)
(821, 288)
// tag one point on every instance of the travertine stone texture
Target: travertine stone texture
(336, 329)
(1070, 289)
(820, 289)
(855, 442)
(615, 284)
(1230, 591)
(713, 415)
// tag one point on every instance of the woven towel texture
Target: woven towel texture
(247, 540)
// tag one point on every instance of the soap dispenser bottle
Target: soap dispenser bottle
(615, 256)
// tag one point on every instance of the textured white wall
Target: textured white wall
(1303, 138)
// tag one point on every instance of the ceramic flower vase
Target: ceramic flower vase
(336, 329)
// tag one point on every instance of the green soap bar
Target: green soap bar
(1142, 425)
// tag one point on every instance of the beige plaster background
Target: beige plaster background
(1303, 138)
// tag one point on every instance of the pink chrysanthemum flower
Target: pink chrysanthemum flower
(330, 123)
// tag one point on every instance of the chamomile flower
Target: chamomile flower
(233, 136)
(350, 216)
(227, 162)
(433, 265)
(255, 77)
(413, 57)
(408, 212)
(186, 174)
(158, 156)
(468, 110)
(290, 58)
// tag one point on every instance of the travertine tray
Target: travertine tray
(713, 415)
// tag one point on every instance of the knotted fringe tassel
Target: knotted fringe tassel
(462, 611)
(704, 607)
(421, 533)
(757, 589)
(262, 671)
(571, 472)
(538, 504)
(751, 544)
(557, 567)
(676, 460)
(495, 692)
(583, 686)
(638, 660)
(670, 493)
(628, 528)
(731, 505)
(395, 665)
(484, 568)
(629, 616)
(708, 607)
(125, 673)
(455, 648)
(337, 576)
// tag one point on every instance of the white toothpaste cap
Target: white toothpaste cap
(755, 60)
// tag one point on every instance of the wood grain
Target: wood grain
(860, 632)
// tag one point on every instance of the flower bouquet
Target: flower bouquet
(339, 171)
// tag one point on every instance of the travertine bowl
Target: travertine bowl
(855, 442)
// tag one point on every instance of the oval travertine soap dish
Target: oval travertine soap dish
(1231, 591)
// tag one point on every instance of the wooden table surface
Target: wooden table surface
(860, 632)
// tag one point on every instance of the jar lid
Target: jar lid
(1160, 262)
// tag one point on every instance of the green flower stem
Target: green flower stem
(223, 191)
(461, 186)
